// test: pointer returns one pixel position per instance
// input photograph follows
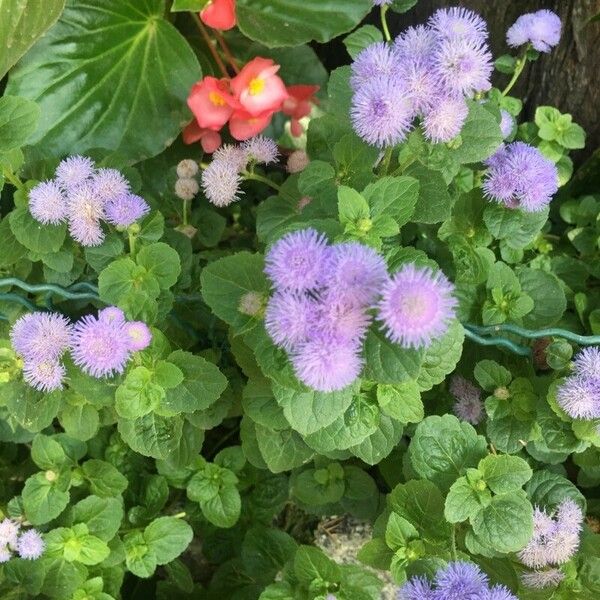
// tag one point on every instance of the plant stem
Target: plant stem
(519, 66)
(226, 51)
(453, 541)
(186, 208)
(265, 180)
(12, 178)
(384, 25)
(384, 166)
(132, 237)
(208, 42)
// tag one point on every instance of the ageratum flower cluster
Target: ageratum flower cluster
(221, 180)
(457, 581)
(428, 73)
(101, 346)
(84, 196)
(27, 544)
(327, 295)
(541, 29)
(468, 406)
(579, 394)
(520, 176)
(554, 541)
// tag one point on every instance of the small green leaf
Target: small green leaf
(504, 474)
(18, 118)
(104, 479)
(167, 538)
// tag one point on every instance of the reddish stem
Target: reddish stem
(227, 51)
(208, 42)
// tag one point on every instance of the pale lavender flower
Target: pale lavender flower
(421, 84)
(541, 29)
(507, 123)
(579, 397)
(221, 182)
(297, 260)
(468, 405)
(341, 318)
(99, 347)
(417, 306)
(126, 209)
(44, 375)
(187, 168)
(543, 578)
(289, 317)
(261, 149)
(464, 66)
(357, 271)
(499, 592)
(325, 365)
(73, 171)
(112, 315)
(520, 176)
(416, 588)
(382, 2)
(587, 363)
(9, 532)
(445, 119)
(138, 335)
(416, 44)
(47, 203)
(85, 210)
(109, 184)
(41, 336)
(382, 112)
(234, 156)
(30, 545)
(569, 516)
(5, 554)
(460, 580)
(459, 23)
(376, 62)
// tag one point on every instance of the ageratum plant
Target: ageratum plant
(274, 333)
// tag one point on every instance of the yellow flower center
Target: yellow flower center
(216, 99)
(256, 86)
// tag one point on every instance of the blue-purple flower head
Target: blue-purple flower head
(587, 363)
(109, 184)
(416, 45)
(541, 29)
(507, 123)
(126, 209)
(47, 203)
(85, 213)
(417, 306)
(417, 588)
(41, 336)
(421, 84)
(444, 120)
(520, 176)
(297, 261)
(221, 182)
(457, 23)
(73, 171)
(468, 406)
(579, 397)
(289, 318)
(9, 533)
(261, 149)
(30, 545)
(382, 112)
(377, 61)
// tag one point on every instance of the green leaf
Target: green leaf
(11, 250)
(167, 538)
(310, 563)
(490, 375)
(260, 405)
(547, 489)
(310, 489)
(504, 474)
(62, 577)
(352, 207)
(152, 435)
(126, 66)
(162, 262)
(282, 450)
(376, 553)
(188, 5)
(104, 479)
(33, 410)
(547, 294)
(354, 160)
(267, 550)
(464, 501)
(139, 558)
(43, 500)
(203, 383)
(379, 444)
(47, 453)
(399, 532)
(402, 401)
(79, 421)
(18, 117)
(293, 22)
(434, 203)
(360, 38)
(481, 135)
(138, 395)
(102, 516)
(36, 237)
(506, 524)
(515, 227)
(22, 24)
(443, 448)
(395, 197)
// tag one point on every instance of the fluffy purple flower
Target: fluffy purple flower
(41, 336)
(325, 365)
(341, 318)
(357, 271)
(44, 375)
(499, 592)
(445, 119)
(30, 545)
(289, 317)
(99, 347)
(460, 581)
(543, 578)
(376, 62)
(221, 182)
(416, 44)
(109, 184)
(421, 84)
(5, 554)
(520, 176)
(73, 171)
(587, 363)
(234, 156)
(468, 405)
(417, 588)
(541, 29)
(126, 209)
(47, 203)
(112, 315)
(459, 23)
(9, 532)
(416, 306)
(382, 112)
(579, 397)
(297, 260)
(261, 149)
(464, 66)
(138, 335)
(85, 210)
(507, 123)
(555, 536)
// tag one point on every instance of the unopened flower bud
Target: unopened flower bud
(251, 303)
(186, 188)
(187, 168)
(297, 161)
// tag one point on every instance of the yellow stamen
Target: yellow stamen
(256, 86)
(216, 99)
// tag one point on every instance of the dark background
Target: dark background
(568, 77)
